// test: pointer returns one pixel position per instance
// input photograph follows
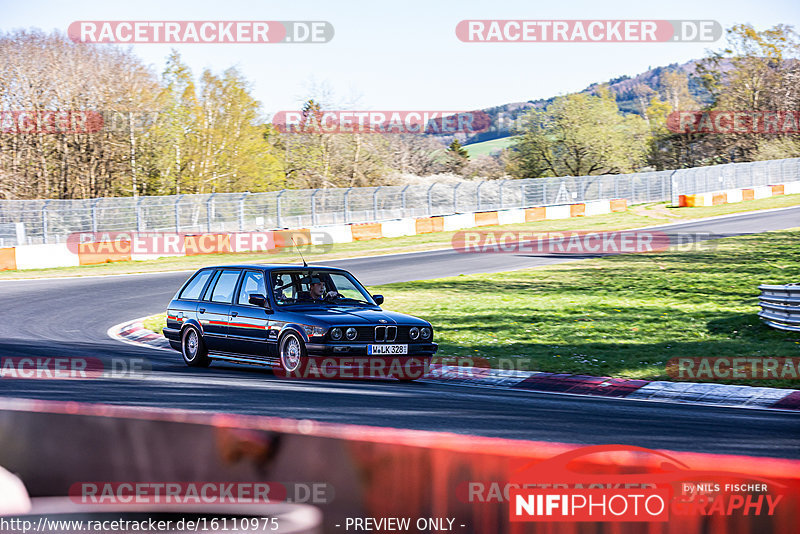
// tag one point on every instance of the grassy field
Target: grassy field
(620, 316)
(638, 216)
(485, 148)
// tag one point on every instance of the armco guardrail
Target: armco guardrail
(29, 222)
(780, 306)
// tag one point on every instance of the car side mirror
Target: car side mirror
(378, 299)
(258, 300)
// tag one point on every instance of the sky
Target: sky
(405, 55)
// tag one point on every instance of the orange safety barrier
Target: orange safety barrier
(777, 189)
(8, 259)
(381, 472)
(429, 225)
(104, 252)
(719, 198)
(535, 214)
(621, 204)
(748, 194)
(577, 210)
(283, 238)
(486, 218)
(365, 231)
(207, 244)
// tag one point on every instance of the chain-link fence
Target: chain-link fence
(51, 221)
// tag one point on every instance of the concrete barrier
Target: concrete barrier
(44, 256)
(399, 228)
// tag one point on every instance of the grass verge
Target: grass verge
(621, 316)
(638, 216)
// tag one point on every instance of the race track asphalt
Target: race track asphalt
(70, 317)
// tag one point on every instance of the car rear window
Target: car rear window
(195, 286)
(223, 290)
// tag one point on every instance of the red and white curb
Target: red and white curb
(135, 333)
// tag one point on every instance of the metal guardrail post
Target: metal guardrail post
(314, 207)
(375, 202)
(93, 211)
(278, 208)
(44, 221)
(138, 210)
(430, 200)
(209, 215)
(500, 193)
(478, 194)
(177, 214)
(241, 210)
(347, 205)
(403, 201)
(455, 197)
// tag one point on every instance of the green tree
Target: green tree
(578, 135)
(456, 157)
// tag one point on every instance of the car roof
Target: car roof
(273, 266)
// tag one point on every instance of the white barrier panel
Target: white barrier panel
(458, 221)
(597, 207)
(514, 216)
(557, 212)
(399, 227)
(762, 191)
(733, 195)
(791, 188)
(339, 233)
(43, 256)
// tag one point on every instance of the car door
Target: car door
(213, 311)
(249, 324)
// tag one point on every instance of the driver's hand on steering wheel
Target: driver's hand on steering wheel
(330, 295)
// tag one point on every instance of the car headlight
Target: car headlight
(313, 331)
(351, 333)
(414, 332)
(425, 332)
(336, 334)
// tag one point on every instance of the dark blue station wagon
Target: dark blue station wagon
(294, 318)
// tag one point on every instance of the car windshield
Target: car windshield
(318, 287)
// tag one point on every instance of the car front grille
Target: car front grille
(370, 334)
(385, 333)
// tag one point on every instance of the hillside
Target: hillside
(623, 87)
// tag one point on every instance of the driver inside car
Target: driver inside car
(316, 290)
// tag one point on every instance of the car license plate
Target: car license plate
(387, 349)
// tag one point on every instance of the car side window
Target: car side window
(252, 284)
(195, 286)
(226, 284)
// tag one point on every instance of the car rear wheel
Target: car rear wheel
(292, 352)
(193, 349)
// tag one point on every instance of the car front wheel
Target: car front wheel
(292, 353)
(193, 349)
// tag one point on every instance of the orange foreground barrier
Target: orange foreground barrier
(369, 472)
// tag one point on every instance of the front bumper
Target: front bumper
(360, 349)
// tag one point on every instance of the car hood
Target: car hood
(341, 315)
